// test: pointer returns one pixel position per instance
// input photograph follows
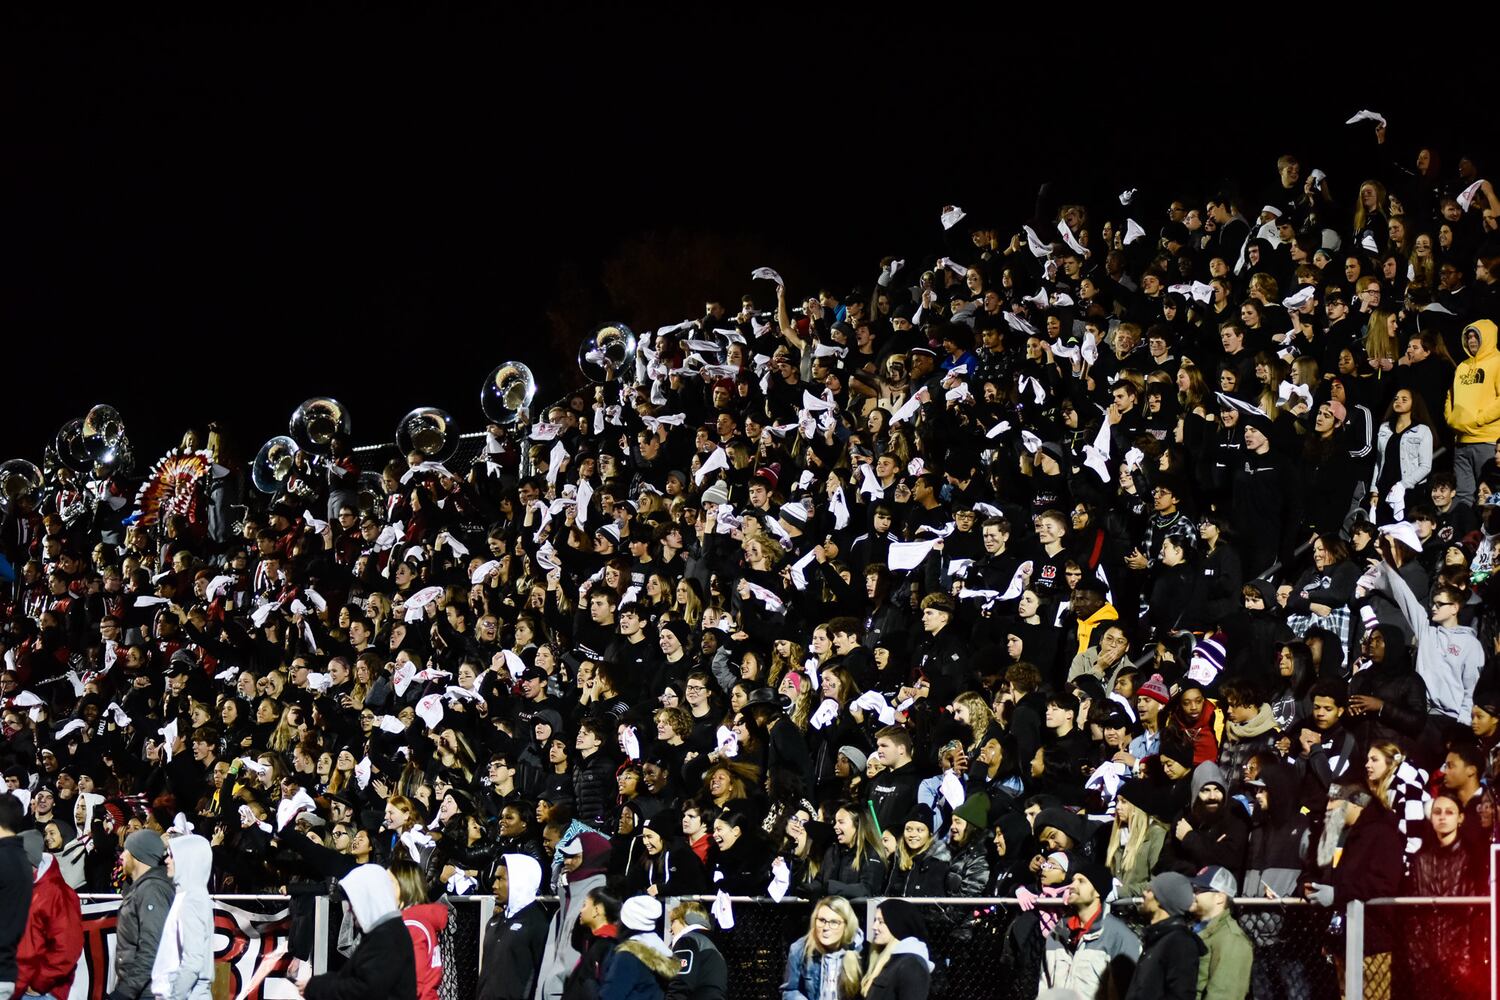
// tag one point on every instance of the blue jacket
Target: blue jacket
(638, 969)
(804, 979)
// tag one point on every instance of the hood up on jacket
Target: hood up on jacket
(371, 895)
(596, 851)
(1281, 795)
(91, 801)
(651, 951)
(524, 877)
(1208, 773)
(1487, 339)
(1397, 658)
(193, 861)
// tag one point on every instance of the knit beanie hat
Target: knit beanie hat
(1156, 689)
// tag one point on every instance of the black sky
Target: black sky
(218, 219)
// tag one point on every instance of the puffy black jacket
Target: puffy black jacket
(970, 865)
(839, 877)
(1168, 969)
(594, 789)
(929, 875)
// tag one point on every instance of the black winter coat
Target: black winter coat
(594, 790)
(930, 874)
(383, 967)
(1168, 968)
(746, 868)
(839, 877)
(905, 977)
(513, 949)
(703, 974)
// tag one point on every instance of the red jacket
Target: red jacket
(425, 923)
(50, 948)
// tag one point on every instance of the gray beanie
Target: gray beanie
(1173, 892)
(32, 841)
(856, 757)
(146, 847)
(717, 493)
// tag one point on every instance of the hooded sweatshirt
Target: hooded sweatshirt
(72, 856)
(383, 966)
(1473, 409)
(184, 965)
(1449, 657)
(560, 955)
(516, 936)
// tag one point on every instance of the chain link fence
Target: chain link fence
(991, 949)
(1438, 948)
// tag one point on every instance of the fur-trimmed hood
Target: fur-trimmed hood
(652, 952)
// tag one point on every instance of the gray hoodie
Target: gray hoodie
(1449, 658)
(184, 964)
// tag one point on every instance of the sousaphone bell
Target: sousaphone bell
(273, 463)
(70, 449)
(19, 478)
(430, 431)
(316, 421)
(507, 391)
(612, 344)
(103, 434)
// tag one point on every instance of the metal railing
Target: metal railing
(1294, 953)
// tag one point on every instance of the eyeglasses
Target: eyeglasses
(1445, 604)
(830, 921)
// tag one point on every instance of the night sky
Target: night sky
(215, 220)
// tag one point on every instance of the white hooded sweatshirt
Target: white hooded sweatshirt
(525, 878)
(184, 966)
(371, 895)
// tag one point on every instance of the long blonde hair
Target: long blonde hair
(1393, 755)
(1361, 215)
(1137, 825)
(875, 965)
(905, 857)
(849, 971)
(866, 841)
(979, 717)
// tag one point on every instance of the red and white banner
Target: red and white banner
(242, 940)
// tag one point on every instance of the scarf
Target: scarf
(1263, 722)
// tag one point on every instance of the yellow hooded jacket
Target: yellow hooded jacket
(1473, 409)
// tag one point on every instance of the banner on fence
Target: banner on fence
(242, 940)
